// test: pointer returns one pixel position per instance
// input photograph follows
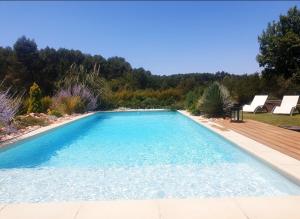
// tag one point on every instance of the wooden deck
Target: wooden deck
(283, 140)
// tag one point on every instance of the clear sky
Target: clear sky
(163, 37)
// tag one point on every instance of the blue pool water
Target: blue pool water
(133, 155)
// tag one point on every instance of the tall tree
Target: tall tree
(280, 45)
(116, 67)
(27, 57)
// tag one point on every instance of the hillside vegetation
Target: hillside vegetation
(63, 81)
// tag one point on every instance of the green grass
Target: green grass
(276, 120)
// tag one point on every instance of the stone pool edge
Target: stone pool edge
(208, 208)
(284, 164)
(44, 129)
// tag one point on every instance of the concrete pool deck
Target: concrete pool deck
(207, 208)
(287, 207)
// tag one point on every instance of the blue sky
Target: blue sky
(163, 37)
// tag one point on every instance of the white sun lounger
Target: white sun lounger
(257, 103)
(288, 105)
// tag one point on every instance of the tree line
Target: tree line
(24, 64)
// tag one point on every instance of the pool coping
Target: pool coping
(282, 163)
(41, 130)
(208, 208)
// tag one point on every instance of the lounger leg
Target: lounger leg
(292, 111)
(273, 109)
(265, 108)
(257, 108)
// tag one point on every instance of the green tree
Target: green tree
(35, 97)
(242, 88)
(116, 67)
(27, 57)
(280, 45)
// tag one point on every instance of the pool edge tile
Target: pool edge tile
(2, 206)
(40, 211)
(200, 208)
(270, 208)
(208, 208)
(131, 209)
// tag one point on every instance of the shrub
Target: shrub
(24, 106)
(74, 104)
(242, 88)
(46, 103)
(89, 100)
(78, 77)
(176, 106)
(69, 105)
(53, 112)
(215, 101)
(35, 96)
(147, 98)
(76, 99)
(24, 121)
(191, 100)
(9, 105)
(149, 103)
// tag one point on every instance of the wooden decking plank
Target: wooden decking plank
(280, 139)
(273, 138)
(291, 141)
(278, 131)
(269, 142)
(276, 147)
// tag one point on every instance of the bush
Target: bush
(24, 106)
(78, 79)
(76, 99)
(9, 105)
(74, 105)
(89, 101)
(215, 101)
(24, 121)
(191, 100)
(69, 105)
(54, 113)
(242, 88)
(35, 96)
(176, 106)
(46, 103)
(147, 98)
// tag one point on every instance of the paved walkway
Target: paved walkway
(229, 208)
(283, 140)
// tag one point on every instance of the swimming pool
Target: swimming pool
(133, 155)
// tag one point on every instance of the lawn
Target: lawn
(274, 119)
